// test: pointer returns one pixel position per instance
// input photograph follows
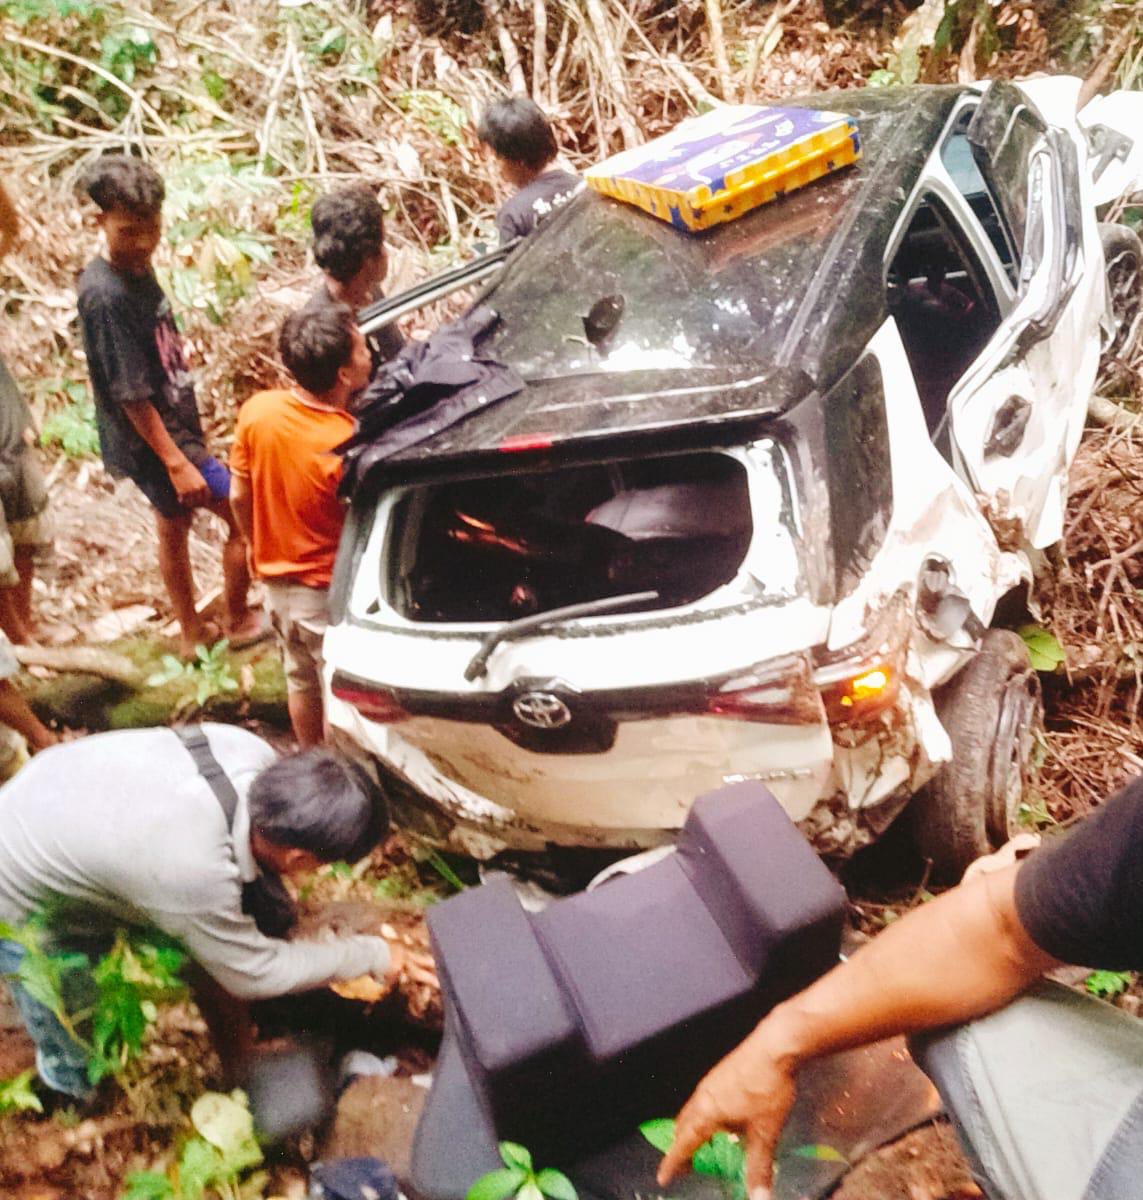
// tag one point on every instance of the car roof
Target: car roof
(716, 330)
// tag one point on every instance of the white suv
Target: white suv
(759, 500)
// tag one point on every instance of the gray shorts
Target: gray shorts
(299, 615)
(1046, 1095)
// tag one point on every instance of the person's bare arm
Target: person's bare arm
(960, 956)
(242, 504)
(9, 223)
(185, 478)
(15, 712)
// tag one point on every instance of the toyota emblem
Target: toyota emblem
(541, 710)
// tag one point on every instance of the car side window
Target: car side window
(860, 471)
(946, 311)
(957, 159)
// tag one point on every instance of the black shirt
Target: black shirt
(134, 353)
(528, 207)
(384, 343)
(1081, 899)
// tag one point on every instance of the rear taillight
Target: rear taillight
(860, 693)
(863, 680)
(374, 703)
(778, 694)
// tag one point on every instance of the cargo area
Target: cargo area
(502, 548)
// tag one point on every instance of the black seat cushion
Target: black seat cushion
(575, 1023)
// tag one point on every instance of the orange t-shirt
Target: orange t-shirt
(284, 448)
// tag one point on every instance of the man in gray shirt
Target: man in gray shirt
(125, 828)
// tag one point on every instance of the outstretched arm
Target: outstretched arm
(960, 956)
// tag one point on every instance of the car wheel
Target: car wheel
(992, 712)
(1123, 256)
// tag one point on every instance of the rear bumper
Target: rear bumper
(482, 794)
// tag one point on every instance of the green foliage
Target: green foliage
(215, 259)
(16, 1094)
(436, 112)
(1044, 650)
(334, 39)
(1106, 984)
(213, 1161)
(126, 50)
(724, 1156)
(438, 863)
(139, 972)
(131, 980)
(519, 1178)
(72, 427)
(209, 672)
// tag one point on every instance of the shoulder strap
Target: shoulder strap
(193, 738)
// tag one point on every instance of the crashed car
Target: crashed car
(760, 500)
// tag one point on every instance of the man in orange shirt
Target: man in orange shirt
(284, 490)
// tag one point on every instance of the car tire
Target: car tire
(992, 711)
(1123, 259)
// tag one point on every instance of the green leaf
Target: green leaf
(1044, 651)
(199, 1166)
(1108, 983)
(497, 1185)
(820, 1152)
(214, 85)
(225, 1122)
(515, 1155)
(529, 1190)
(722, 1157)
(882, 78)
(147, 1185)
(16, 1094)
(556, 1184)
(659, 1132)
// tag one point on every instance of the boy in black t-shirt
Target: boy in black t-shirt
(145, 409)
(349, 247)
(520, 138)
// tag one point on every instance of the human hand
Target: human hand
(189, 485)
(750, 1092)
(414, 965)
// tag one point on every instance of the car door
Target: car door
(1012, 415)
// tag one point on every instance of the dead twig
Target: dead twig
(613, 72)
(539, 49)
(512, 66)
(718, 49)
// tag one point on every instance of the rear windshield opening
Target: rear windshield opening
(503, 548)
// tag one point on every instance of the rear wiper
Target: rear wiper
(385, 312)
(513, 629)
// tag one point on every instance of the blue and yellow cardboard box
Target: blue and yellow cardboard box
(718, 166)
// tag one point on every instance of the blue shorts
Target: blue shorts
(155, 484)
(60, 1060)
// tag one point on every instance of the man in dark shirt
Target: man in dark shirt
(521, 140)
(349, 247)
(1047, 1092)
(145, 409)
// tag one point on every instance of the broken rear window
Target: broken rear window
(505, 547)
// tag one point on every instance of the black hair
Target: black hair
(517, 130)
(347, 227)
(321, 801)
(316, 342)
(119, 181)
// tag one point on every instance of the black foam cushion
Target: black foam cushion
(575, 1023)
